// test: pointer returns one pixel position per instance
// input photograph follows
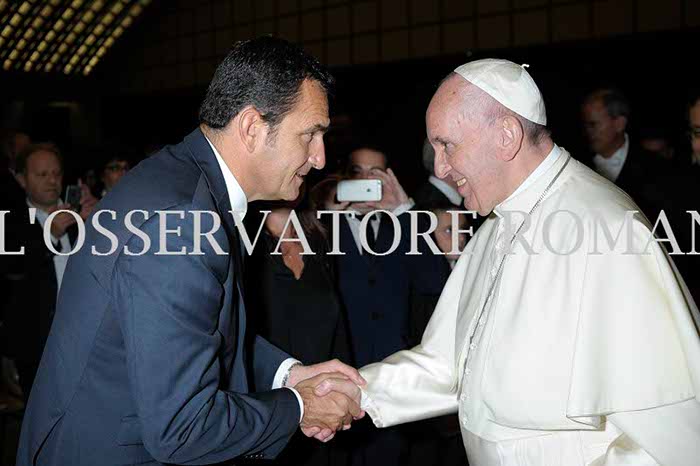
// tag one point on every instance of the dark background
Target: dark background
(382, 99)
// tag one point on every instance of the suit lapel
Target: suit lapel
(204, 157)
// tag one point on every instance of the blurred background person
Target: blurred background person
(12, 142)
(435, 190)
(438, 441)
(606, 113)
(655, 140)
(292, 293)
(36, 276)
(694, 130)
(113, 169)
(378, 291)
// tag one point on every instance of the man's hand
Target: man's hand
(332, 203)
(61, 221)
(393, 194)
(87, 201)
(352, 378)
(325, 415)
(300, 373)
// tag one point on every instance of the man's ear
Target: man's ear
(251, 128)
(620, 123)
(510, 138)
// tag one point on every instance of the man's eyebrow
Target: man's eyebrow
(440, 140)
(317, 127)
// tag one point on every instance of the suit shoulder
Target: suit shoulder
(168, 178)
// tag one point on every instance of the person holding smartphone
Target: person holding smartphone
(37, 274)
(377, 291)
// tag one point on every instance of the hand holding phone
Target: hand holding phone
(73, 195)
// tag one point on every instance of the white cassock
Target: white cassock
(578, 359)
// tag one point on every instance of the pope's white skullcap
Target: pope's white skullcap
(510, 84)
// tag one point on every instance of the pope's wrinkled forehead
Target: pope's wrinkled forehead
(448, 92)
(449, 102)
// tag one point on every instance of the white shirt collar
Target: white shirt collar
(695, 160)
(239, 201)
(548, 161)
(449, 192)
(611, 167)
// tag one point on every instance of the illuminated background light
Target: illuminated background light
(68, 36)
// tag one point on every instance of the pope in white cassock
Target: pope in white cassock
(567, 345)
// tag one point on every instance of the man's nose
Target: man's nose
(318, 157)
(440, 167)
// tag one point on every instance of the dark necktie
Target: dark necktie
(371, 238)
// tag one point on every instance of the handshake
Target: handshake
(331, 395)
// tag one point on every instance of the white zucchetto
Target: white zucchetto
(510, 84)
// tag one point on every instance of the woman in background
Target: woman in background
(293, 303)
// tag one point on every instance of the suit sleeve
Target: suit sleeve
(169, 306)
(267, 359)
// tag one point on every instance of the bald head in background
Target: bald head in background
(485, 147)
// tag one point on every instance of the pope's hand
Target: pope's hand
(335, 410)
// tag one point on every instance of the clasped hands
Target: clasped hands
(331, 395)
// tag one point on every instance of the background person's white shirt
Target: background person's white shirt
(354, 222)
(611, 167)
(59, 261)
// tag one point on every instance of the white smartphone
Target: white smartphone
(73, 195)
(359, 190)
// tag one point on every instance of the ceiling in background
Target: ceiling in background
(62, 36)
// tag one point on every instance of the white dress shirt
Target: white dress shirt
(239, 203)
(451, 193)
(354, 222)
(610, 167)
(59, 260)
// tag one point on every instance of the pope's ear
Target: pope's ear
(251, 128)
(511, 134)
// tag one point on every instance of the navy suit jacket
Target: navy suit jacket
(378, 291)
(146, 361)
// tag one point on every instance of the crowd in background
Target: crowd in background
(363, 307)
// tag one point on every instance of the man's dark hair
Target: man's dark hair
(365, 144)
(694, 98)
(614, 101)
(266, 73)
(23, 156)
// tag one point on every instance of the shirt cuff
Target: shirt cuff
(301, 403)
(406, 206)
(282, 372)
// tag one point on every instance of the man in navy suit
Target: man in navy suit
(147, 359)
(379, 291)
